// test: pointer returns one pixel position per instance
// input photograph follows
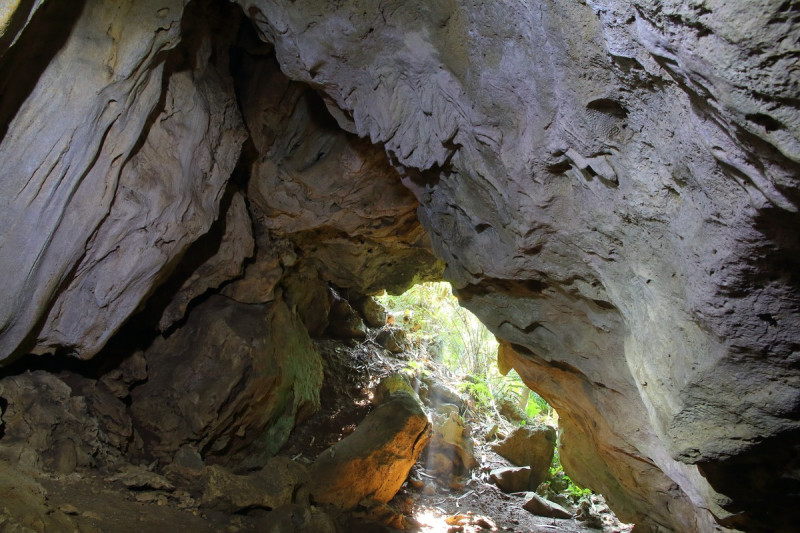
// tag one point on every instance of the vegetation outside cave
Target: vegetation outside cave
(446, 336)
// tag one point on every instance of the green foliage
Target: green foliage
(558, 478)
(451, 335)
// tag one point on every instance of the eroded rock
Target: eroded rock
(372, 463)
(530, 446)
(231, 382)
(512, 479)
(539, 506)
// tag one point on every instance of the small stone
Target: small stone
(69, 509)
(541, 507)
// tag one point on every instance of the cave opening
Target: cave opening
(199, 198)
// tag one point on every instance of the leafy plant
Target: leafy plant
(447, 333)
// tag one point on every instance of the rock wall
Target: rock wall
(613, 187)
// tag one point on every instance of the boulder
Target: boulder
(450, 452)
(531, 446)
(281, 482)
(392, 384)
(372, 462)
(344, 322)
(541, 507)
(374, 314)
(393, 339)
(512, 479)
(232, 381)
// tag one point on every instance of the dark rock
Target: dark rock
(512, 479)
(373, 313)
(47, 426)
(393, 339)
(281, 482)
(231, 381)
(344, 322)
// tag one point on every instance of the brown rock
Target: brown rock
(231, 381)
(280, 482)
(512, 479)
(530, 446)
(344, 322)
(373, 313)
(47, 426)
(372, 462)
(393, 339)
(541, 507)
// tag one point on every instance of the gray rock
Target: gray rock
(512, 479)
(530, 446)
(541, 507)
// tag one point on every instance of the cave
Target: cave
(193, 192)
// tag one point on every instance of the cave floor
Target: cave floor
(352, 371)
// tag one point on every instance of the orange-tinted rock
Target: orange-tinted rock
(372, 462)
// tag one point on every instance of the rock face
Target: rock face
(612, 185)
(230, 383)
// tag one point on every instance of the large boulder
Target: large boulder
(531, 446)
(231, 382)
(373, 462)
(49, 426)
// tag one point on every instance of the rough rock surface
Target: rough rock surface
(372, 463)
(539, 506)
(612, 185)
(512, 478)
(530, 446)
(231, 383)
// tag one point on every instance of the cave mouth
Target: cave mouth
(449, 350)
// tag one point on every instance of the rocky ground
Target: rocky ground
(394, 446)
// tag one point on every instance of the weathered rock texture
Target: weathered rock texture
(612, 185)
(230, 383)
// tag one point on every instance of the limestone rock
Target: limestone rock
(373, 313)
(224, 253)
(231, 381)
(541, 507)
(372, 462)
(334, 195)
(281, 482)
(344, 322)
(512, 479)
(138, 478)
(616, 207)
(450, 452)
(437, 393)
(530, 446)
(46, 427)
(393, 384)
(393, 339)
